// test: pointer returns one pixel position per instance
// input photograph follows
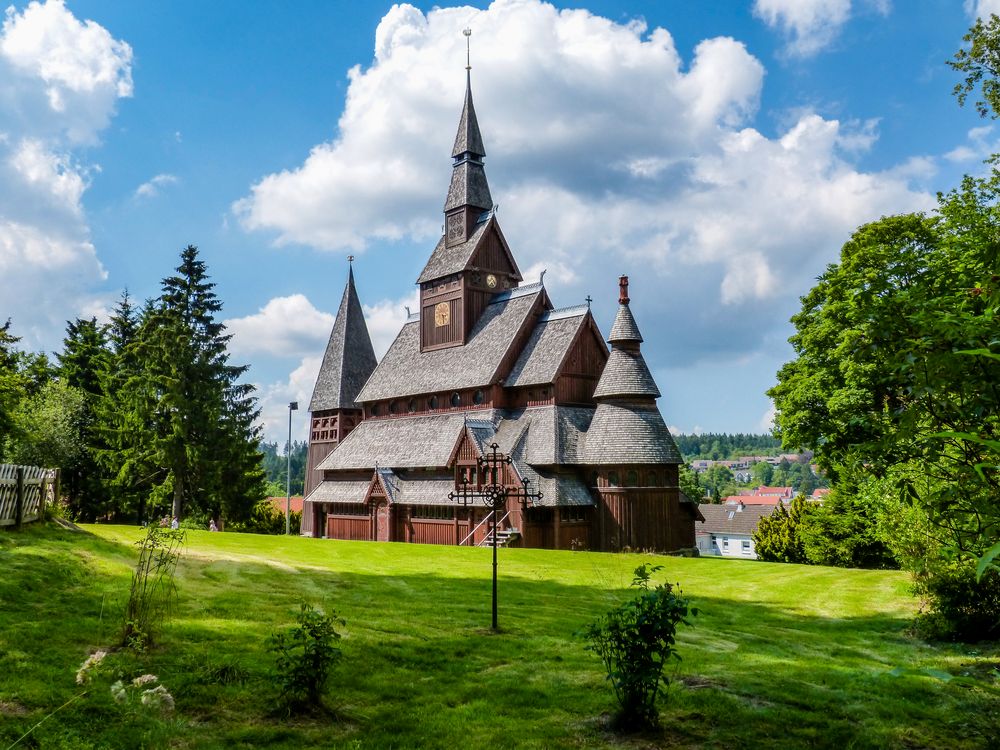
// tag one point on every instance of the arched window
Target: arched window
(456, 400)
(411, 405)
(375, 410)
(654, 479)
(433, 402)
(632, 478)
(478, 398)
(613, 479)
(393, 407)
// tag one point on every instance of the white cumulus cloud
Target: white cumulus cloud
(60, 79)
(285, 326)
(608, 153)
(982, 8)
(151, 188)
(811, 25)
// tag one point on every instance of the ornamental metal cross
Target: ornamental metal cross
(494, 493)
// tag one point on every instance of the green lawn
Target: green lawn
(781, 656)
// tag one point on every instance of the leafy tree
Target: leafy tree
(777, 538)
(762, 473)
(718, 482)
(51, 426)
(843, 532)
(980, 62)
(690, 486)
(11, 385)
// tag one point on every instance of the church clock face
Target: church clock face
(442, 314)
(491, 281)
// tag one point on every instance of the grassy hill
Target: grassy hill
(781, 656)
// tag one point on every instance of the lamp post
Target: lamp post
(292, 406)
(493, 492)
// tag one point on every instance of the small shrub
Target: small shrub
(304, 655)
(152, 585)
(956, 606)
(635, 641)
(265, 518)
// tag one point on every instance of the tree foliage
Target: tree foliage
(777, 537)
(979, 61)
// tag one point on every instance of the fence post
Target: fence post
(19, 499)
(56, 488)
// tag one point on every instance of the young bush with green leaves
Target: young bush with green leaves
(152, 585)
(636, 641)
(304, 655)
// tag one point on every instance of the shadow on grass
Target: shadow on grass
(418, 669)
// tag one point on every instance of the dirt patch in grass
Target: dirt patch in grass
(11, 708)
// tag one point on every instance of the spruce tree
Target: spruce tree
(200, 420)
(11, 385)
(126, 441)
(81, 364)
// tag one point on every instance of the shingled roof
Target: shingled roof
(722, 519)
(626, 375)
(468, 139)
(547, 435)
(407, 371)
(548, 346)
(448, 260)
(629, 434)
(399, 442)
(349, 359)
(468, 187)
(624, 328)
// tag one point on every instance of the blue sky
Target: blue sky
(719, 153)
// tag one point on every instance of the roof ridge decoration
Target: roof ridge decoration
(349, 359)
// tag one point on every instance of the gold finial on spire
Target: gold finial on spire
(468, 34)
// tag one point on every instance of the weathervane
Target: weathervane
(468, 34)
(492, 490)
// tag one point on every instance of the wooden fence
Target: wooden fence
(24, 493)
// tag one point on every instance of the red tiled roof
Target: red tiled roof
(279, 503)
(764, 491)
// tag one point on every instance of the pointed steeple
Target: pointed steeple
(349, 359)
(468, 139)
(468, 189)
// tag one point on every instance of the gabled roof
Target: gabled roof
(626, 375)
(629, 435)
(548, 435)
(399, 443)
(548, 346)
(721, 519)
(349, 358)
(407, 371)
(448, 260)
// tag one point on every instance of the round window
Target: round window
(411, 406)
(478, 398)
(433, 402)
(456, 400)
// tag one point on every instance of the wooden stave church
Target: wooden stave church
(487, 360)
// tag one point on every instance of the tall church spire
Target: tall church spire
(469, 193)
(349, 359)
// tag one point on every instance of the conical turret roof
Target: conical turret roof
(349, 359)
(626, 376)
(624, 328)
